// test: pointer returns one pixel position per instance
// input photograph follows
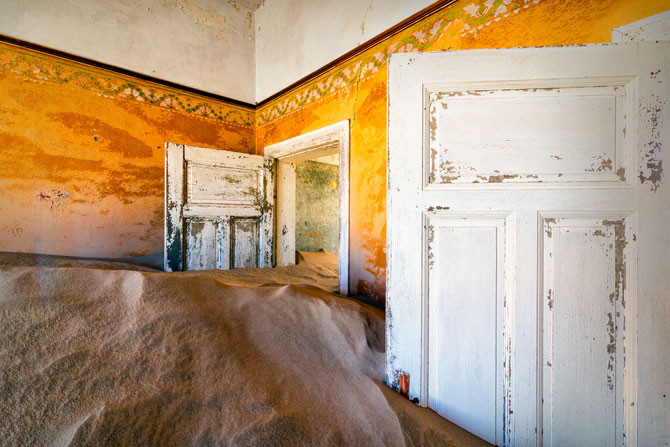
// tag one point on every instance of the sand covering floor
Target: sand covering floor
(127, 358)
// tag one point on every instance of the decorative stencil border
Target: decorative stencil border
(36, 67)
(464, 18)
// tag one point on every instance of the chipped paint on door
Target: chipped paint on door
(580, 148)
(219, 209)
(583, 331)
(555, 360)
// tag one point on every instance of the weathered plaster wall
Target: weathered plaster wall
(316, 206)
(82, 154)
(111, 188)
(205, 44)
(356, 90)
(296, 37)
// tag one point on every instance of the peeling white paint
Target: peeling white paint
(583, 246)
(219, 211)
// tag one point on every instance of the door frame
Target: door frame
(325, 141)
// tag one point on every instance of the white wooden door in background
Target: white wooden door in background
(528, 241)
(218, 209)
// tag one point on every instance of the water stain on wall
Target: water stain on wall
(200, 131)
(101, 138)
(214, 22)
(22, 159)
(113, 138)
(131, 182)
(211, 133)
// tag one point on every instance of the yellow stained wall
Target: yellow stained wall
(357, 89)
(82, 154)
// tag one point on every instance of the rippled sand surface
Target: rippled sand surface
(110, 357)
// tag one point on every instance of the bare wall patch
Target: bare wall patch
(55, 198)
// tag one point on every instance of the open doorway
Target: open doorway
(313, 196)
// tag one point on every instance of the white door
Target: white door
(218, 209)
(528, 279)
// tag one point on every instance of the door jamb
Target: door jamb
(304, 147)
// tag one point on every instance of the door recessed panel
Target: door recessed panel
(245, 234)
(221, 185)
(583, 280)
(551, 132)
(465, 288)
(201, 244)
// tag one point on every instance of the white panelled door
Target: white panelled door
(218, 209)
(528, 278)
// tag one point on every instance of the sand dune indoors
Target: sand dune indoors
(115, 357)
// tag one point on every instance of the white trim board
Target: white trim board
(333, 139)
(656, 27)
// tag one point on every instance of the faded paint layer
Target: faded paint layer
(316, 206)
(82, 159)
(356, 90)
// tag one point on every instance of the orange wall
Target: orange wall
(81, 162)
(82, 154)
(356, 91)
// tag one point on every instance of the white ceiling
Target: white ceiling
(296, 37)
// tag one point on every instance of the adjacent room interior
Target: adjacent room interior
(306, 222)
(317, 207)
(317, 204)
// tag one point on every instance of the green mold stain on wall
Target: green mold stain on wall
(316, 206)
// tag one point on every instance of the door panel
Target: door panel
(201, 244)
(559, 130)
(244, 235)
(465, 370)
(216, 183)
(219, 209)
(583, 281)
(551, 160)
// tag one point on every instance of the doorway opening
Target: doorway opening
(312, 205)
